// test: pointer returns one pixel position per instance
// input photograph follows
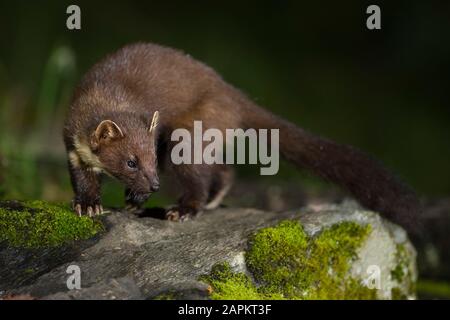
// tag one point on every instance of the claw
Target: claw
(175, 215)
(135, 209)
(78, 209)
(90, 211)
(185, 217)
(172, 215)
(130, 207)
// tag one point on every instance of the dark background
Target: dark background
(315, 63)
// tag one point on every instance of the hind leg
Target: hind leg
(195, 181)
(204, 187)
(220, 185)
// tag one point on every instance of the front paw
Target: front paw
(90, 209)
(133, 208)
(180, 214)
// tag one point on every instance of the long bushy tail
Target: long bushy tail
(367, 180)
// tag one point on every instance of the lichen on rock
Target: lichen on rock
(34, 224)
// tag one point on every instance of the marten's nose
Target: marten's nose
(153, 182)
(155, 185)
(154, 188)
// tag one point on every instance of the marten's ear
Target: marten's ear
(154, 123)
(106, 131)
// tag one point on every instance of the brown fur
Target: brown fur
(129, 86)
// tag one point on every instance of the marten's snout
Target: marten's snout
(154, 186)
(153, 181)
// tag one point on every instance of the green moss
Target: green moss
(401, 269)
(228, 285)
(40, 224)
(29, 271)
(275, 253)
(397, 273)
(402, 273)
(165, 296)
(397, 294)
(328, 263)
(287, 264)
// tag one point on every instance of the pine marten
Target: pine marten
(125, 108)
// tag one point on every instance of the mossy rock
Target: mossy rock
(317, 253)
(286, 262)
(36, 224)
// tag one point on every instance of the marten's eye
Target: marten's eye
(132, 164)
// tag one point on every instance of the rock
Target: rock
(112, 289)
(148, 258)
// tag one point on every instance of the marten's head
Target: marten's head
(128, 153)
